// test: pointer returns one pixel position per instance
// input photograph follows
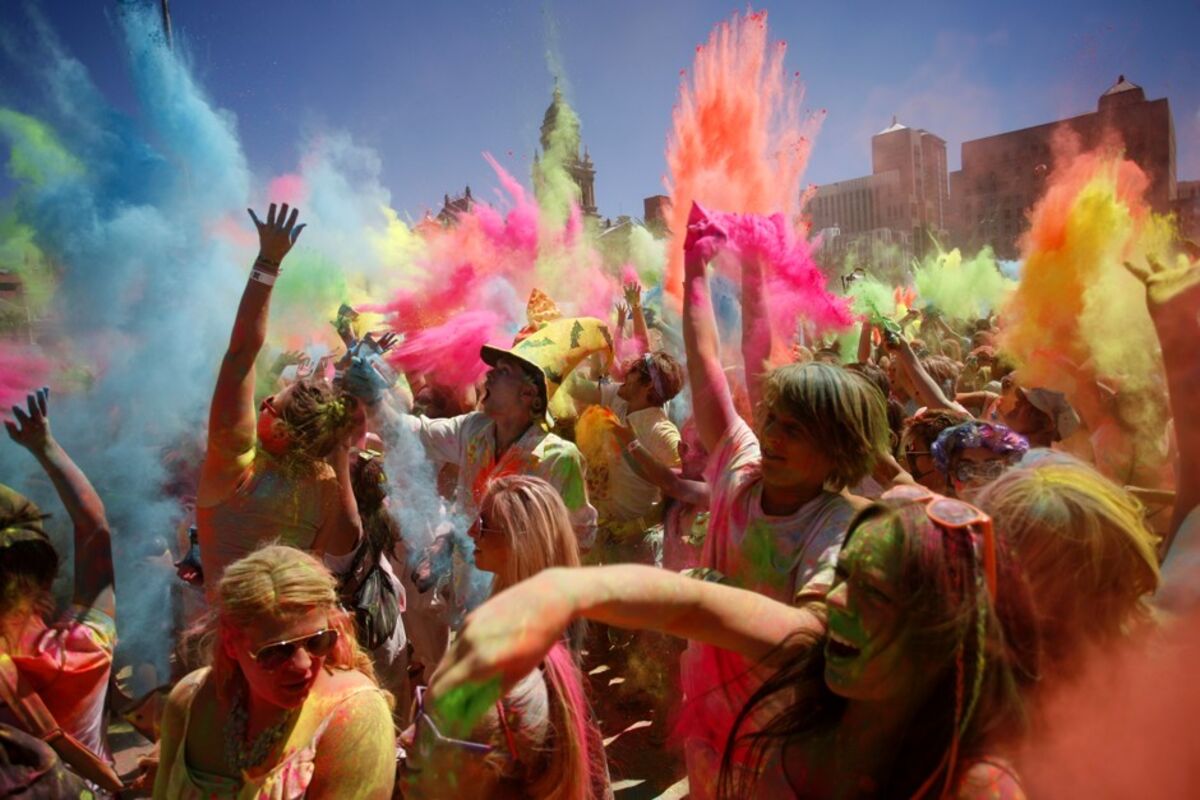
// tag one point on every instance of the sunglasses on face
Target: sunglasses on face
(967, 471)
(427, 735)
(950, 514)
(273, 656)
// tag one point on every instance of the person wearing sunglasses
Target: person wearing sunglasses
(289, 706)
(919, 433)
(536, 739)
(281, 473)
(975, 453)
(912, 688)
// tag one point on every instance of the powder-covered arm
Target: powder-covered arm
(711, 401)
(93, 545)
(756, 327)
(511, 633)
(1173, 299)
(232, 419)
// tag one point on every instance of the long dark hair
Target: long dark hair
(983, 653)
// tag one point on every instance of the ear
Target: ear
(228, 643)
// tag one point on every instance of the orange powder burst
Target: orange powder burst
(738, 142)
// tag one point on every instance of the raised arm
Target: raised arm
(232, 418)
(1173, 298)
(929, 394)
(756, 328)
(511, 633)
(864, 341)
(633, 299)
(711, 401)
(93, 546)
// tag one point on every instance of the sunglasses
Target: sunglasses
(950, 514)
(427, 735)
(273, 656)
(966, 471)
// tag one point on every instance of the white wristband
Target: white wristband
(265, 278)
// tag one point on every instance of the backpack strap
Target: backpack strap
(35, 719)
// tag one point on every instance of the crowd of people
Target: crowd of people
(883, 570)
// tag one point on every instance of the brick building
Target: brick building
(1003, 175)
(886, 218)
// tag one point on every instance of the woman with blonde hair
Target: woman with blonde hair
(283, 473)
(289, 706)
(537, 741)
(1082, 543)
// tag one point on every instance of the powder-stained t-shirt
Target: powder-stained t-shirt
(69, 665)
(469, 441)
(267, 505)
(790, 558)
(630, 495)
(781, 556)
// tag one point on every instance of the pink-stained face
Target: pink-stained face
(492, 549)
(287, 684)
(272, 430)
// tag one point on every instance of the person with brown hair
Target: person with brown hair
(283, 473)
(288, 706)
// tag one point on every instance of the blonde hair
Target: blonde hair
(531, 514)
(317, 417)
(841, 412)
(1084, 547)
(278, 582)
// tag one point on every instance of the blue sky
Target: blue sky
(430, 86)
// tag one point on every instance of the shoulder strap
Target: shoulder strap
(34, 718)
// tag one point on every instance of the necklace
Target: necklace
(237, 754)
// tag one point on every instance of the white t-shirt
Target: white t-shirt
(629, 495)
(779, 556)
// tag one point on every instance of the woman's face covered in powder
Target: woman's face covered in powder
(868, 652)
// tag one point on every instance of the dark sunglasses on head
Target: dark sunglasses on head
(273, 656)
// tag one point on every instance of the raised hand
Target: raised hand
(1170, 284)
(705, 236)
(31, 429)
(633, 294)
(622, 315)
(277, 235)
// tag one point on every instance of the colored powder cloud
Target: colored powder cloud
(738, 142)
(962, 288)
(1075, 299)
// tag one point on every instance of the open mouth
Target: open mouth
(837, 647)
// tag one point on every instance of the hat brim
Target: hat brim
(492, 355)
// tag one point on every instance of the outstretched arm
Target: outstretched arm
(711, 401)
(231, 419)
(511, 633)
(93, 546)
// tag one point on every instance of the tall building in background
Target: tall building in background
(580, 168)
(885, 219)
(1003, 175)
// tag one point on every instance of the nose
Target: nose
(301, 660)
(837, 596)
